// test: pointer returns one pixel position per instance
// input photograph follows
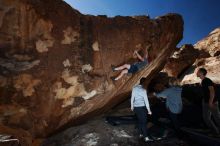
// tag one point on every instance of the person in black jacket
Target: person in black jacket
(210, 102)
(217, 94)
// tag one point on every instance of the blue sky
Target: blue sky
(200, 16)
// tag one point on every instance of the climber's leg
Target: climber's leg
(123, 72)
(131, 69)
(125, 66)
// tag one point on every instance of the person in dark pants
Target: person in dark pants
(173, 98)
(210, 102)
(217, 94)
(140, 105)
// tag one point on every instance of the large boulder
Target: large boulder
(211, 64)
(211, 43)
(56, 63)
(182, 60)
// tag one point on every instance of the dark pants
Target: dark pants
(175, 121)
(159, 110)
(209, 113)
(141, 113)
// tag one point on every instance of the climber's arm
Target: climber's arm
(139, 56)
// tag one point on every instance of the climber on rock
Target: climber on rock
(131, 68)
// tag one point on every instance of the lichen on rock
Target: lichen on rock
(43, 45)
(66, 63)
(86, 68)
(70, 36)
(95, 46)
(26, 83)
(75, 89)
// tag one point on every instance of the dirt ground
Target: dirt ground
(97, 132)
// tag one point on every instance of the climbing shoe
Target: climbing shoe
(113, 68)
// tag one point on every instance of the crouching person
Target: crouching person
(172, 94)
(140, 105)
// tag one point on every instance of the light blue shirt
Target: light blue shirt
(173, 99)
(139, 98)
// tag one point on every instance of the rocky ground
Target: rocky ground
(97, 132)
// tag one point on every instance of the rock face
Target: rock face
(56, 63)
(205, 53)
(158, 83)
(211, 64)
(211, 43)
(182, 60)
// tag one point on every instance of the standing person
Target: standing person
(174, 105)
(217, 94)
(210, 103)
(131, 68)
(140, 105)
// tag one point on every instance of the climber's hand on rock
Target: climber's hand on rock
(149, 113)
(134, 54)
